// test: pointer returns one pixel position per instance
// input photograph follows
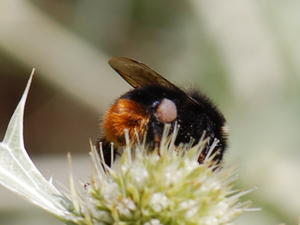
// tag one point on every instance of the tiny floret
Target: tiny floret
(159, 201)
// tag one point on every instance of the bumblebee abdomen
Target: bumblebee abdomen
(125, 114)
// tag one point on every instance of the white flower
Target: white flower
(190, 206)
(153, 222)
(172, 175)
(139, 175)
(126, 206)
(209, 220)
(159, 201)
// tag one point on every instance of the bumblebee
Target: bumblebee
(154, 102)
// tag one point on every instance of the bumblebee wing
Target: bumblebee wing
(138, 74)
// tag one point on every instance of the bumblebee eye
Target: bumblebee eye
(166, 111)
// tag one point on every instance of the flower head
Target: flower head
(163, 186)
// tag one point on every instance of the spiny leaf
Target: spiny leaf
(19, 174)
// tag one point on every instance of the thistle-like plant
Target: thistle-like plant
(165, 185)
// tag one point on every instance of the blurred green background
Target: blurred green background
(244, 54)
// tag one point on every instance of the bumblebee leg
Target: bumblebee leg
(107, 152)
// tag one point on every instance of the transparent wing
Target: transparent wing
(138, 74)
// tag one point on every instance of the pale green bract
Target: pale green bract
(147, 188)
(19, 174)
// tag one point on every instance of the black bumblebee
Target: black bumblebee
(152, 103)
